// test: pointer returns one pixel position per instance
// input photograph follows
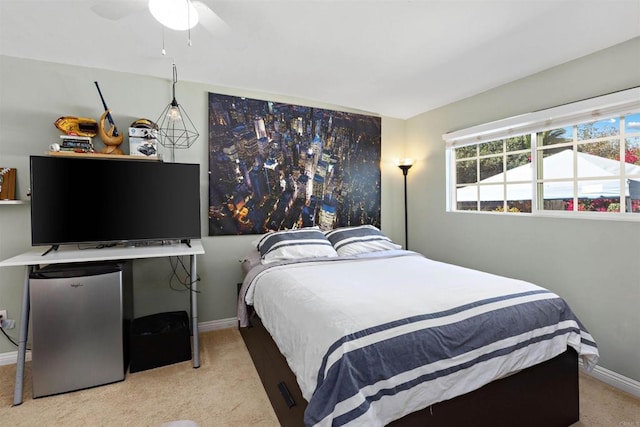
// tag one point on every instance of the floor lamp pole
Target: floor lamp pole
(405, 170)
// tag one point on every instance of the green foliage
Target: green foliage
(489, 156)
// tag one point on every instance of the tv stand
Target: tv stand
(70, 254)
(52, 248)
(186, 242)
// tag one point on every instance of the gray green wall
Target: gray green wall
(33, 94)
(593, 264)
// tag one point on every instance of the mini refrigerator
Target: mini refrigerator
(80, 318)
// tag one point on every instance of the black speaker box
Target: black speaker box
(158, 340)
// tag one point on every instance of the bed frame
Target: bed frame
(542, 395)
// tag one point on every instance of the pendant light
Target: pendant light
(176, 130)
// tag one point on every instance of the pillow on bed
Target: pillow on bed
(360, 239)
(293, 244)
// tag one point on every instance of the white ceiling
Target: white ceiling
(395, 58)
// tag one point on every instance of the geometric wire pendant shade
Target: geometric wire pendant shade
(176, 130)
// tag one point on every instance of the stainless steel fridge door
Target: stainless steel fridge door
(76, 326)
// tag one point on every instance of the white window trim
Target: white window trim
(617, 103)
(590, 109)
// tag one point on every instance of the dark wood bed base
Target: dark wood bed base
(543, 395)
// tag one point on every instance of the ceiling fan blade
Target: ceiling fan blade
(209, 20)
(117, 9)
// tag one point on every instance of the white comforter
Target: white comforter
(371, 340)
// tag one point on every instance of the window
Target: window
(577, 158)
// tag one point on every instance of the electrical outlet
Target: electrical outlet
(8, 323)
(4, 322)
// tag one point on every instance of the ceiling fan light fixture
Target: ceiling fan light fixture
(174, 14)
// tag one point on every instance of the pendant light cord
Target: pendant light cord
(175, 80)
(189, 22)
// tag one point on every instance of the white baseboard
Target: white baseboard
(614, 379)
(213, 325)
(10, 357)
(603, 374)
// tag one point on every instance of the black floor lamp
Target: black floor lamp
(405, 165)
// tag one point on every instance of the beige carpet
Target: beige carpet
(224, 391)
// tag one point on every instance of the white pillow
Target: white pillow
(294, 244)
(360, 239)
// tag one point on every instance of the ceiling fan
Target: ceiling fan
(117, 9)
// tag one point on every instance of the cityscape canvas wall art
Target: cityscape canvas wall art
(277, 166)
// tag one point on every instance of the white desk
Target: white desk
(68, 254)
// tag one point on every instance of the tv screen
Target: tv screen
(92, 200)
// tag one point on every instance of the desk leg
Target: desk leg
(22, 340)
(194, 312)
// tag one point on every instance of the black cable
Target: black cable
(9, 338)
(175, 275)
(106, 245)
(97, 246)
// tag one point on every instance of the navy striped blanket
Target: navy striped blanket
(371, 340)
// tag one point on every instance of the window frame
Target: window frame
(618, 104)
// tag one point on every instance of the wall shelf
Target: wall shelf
(102, 156)
(13, 202)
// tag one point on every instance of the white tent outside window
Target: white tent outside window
(556, 166)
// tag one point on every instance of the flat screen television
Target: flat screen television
(104, 201)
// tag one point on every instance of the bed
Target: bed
(360, 332)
